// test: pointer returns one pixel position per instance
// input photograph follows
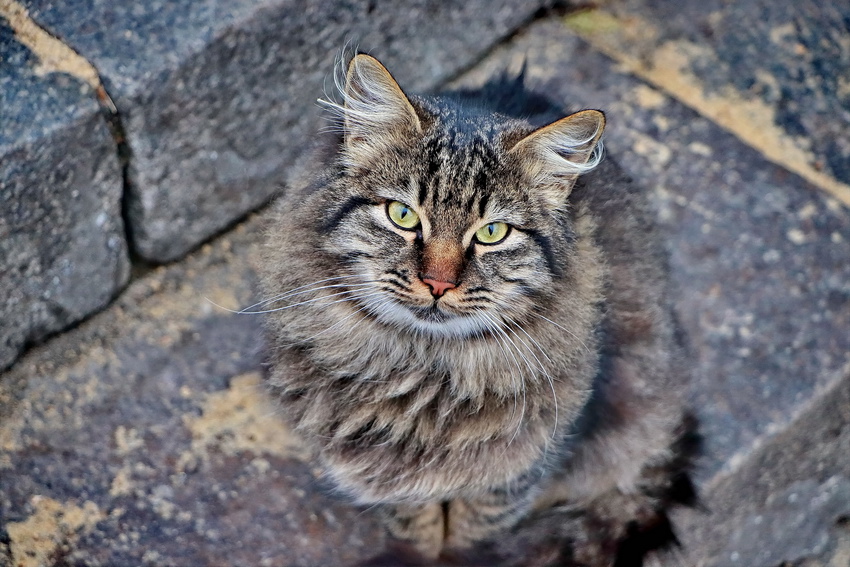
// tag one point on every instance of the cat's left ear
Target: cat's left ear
(555, 155)
(377, 114)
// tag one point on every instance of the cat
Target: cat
(469, 322)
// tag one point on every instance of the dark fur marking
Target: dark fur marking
(641, 540)
(545, 245)
(350, 205)
(394, 292)
(423, 190)
(477, 289)
(349, 257)
(472, 298)
(659, 534)
(433, 191)
(400, 275)
(427, 185)
(467, 206)
(399, 285)
(367, 436)
(482, 204)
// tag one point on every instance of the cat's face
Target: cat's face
(450, 239)
(452, 222)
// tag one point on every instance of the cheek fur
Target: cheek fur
(514, 268)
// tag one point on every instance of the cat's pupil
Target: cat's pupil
(491, 228)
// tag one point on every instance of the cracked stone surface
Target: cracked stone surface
(62, 248)
(217, 100)
(143, 437)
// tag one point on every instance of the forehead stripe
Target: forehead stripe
(423, 191)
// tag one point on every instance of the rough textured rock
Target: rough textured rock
(760, 258)
(218, 99)
(789, 503)
(790, 55)
(62, 248)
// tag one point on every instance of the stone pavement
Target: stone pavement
(142, 436)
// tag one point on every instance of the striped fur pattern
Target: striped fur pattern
(540, 373)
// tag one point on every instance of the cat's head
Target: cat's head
(457, 218)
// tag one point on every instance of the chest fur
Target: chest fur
(402, 420)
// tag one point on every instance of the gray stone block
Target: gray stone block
(796, 496)
(218, 99)
(760, 259)
(62, 249)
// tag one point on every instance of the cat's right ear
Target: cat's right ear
(376, 112)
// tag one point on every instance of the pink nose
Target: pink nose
(438, 288)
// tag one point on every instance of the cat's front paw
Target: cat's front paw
(468, 525)
(419, 526)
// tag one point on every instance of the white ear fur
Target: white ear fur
(557, 154)
(375, 111)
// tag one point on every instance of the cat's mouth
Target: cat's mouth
(432, 314)
(432, 319)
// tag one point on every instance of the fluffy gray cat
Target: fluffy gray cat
(470, 324)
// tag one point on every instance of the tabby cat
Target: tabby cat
(470, 327)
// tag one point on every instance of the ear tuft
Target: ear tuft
(375, 112)
(555, 155)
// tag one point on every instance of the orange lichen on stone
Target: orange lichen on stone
(241, 419)
(667, 66)
(53, 55)
(36, 540)
(647, 97)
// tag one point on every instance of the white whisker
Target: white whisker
(542, 369)
(308, 301)
(302, 292)
(510, 343)
(284, 294)
(572, 334)
(341, 321)
(489, 325)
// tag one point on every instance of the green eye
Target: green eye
(492, 233)
(402, 215)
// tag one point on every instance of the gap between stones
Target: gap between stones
(55, 56)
